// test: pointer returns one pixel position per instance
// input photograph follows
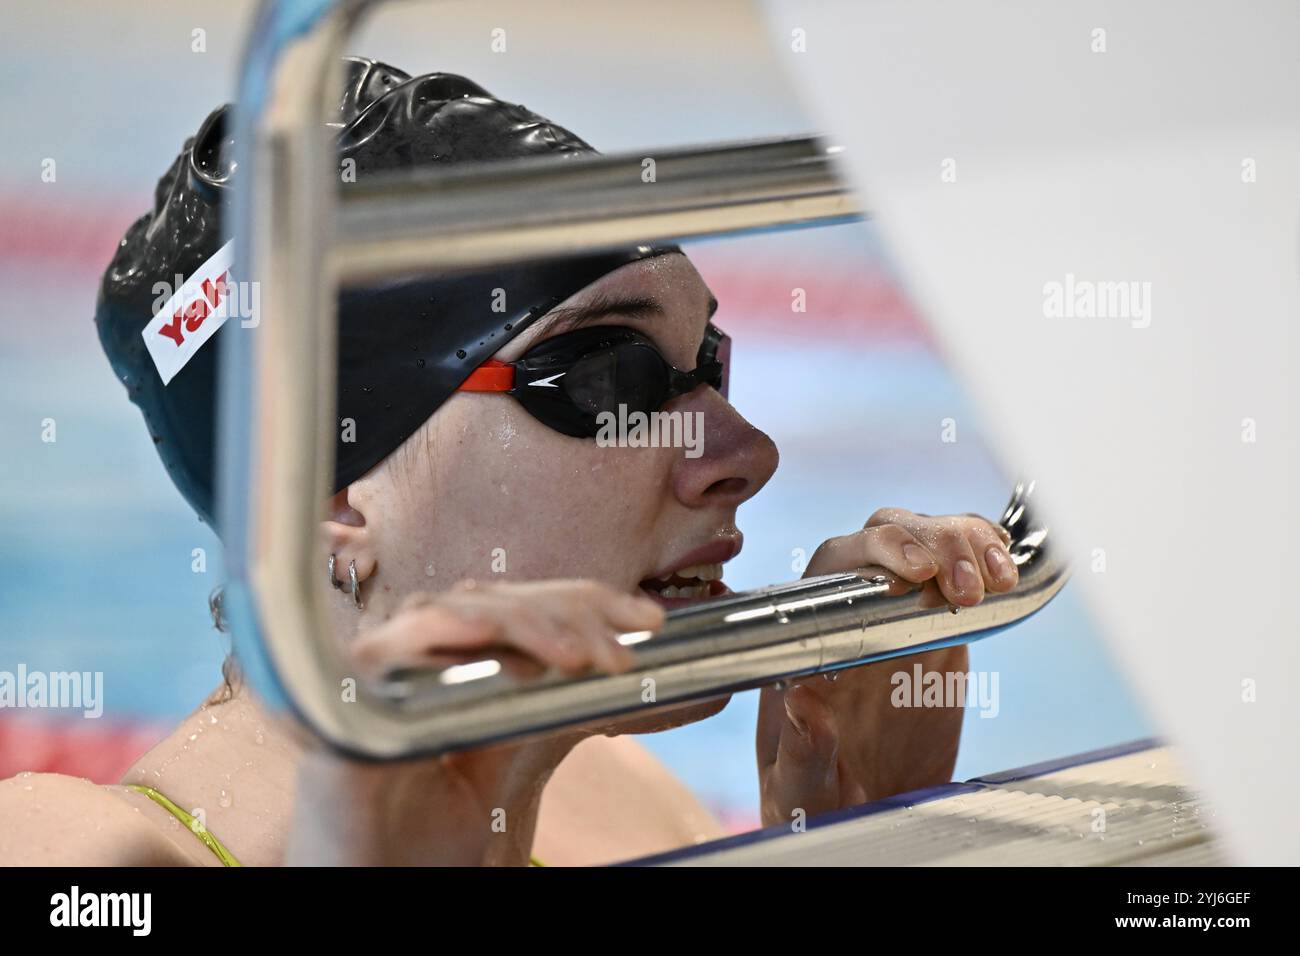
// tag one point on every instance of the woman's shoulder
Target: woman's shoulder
(50, 819)
(611, 799)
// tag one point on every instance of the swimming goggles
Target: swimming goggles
(565, 382)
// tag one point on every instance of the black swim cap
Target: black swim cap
(403, 347)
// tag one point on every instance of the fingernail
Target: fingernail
(917, 555)
(999, 563)
(799, 725)
(965, 576)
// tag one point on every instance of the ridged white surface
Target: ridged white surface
(1130, 810)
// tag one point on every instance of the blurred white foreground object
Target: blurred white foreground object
(1096, 207)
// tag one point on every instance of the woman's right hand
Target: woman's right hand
(477, 806)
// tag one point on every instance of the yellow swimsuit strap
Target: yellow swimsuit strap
(191, 822)
(199, 830)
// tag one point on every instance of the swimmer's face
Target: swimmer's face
(486, 491)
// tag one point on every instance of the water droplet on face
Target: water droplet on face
(428, 569)
(225, 799)
(194, 736)
(212, 719)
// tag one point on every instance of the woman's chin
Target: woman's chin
(671, 715)
(663, 718)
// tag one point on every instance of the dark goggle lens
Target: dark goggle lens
(630, 374)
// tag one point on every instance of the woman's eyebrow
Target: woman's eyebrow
(600, 307)
(605, 306)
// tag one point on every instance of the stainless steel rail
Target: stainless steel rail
(507, 211)
(278, 391)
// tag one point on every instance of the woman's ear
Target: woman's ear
(348, 538)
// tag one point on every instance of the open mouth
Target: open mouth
(694, 583)
(699, 580)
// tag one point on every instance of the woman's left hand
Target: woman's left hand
(827, 744)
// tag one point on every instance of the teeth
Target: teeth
(685, 591)
(704, 572)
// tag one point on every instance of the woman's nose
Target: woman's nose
(734, 459)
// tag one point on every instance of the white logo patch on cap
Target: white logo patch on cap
(191, 316)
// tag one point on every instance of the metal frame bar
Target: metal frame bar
(278, 384)
(465, 217)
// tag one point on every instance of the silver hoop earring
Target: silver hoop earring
(215, 609)
(333, 580)
(356, 585)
